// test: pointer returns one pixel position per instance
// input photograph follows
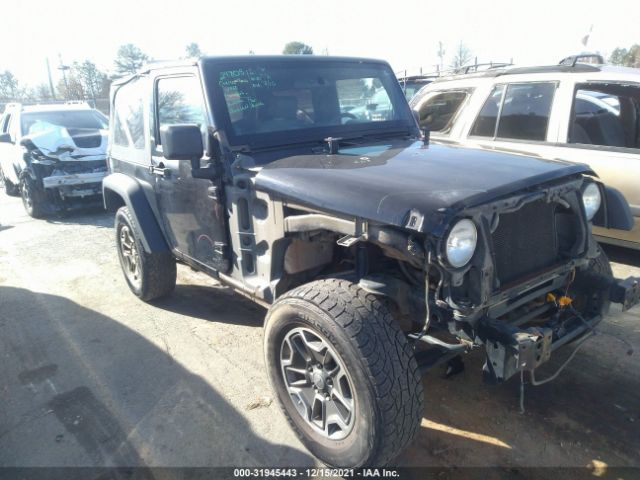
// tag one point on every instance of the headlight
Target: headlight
(591, 199)
(461, 243)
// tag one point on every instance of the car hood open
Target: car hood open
(384, 182)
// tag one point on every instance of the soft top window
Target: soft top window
(128, 114)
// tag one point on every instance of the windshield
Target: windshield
(264, 102)
(37, 122)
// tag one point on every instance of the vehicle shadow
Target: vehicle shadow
(588, 414)
(214, 304)
(78, 388)
(91, 215)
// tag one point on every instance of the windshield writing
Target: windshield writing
(277, 98)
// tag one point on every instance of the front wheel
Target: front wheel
(343, 373)
(33, 198)
(149, 275)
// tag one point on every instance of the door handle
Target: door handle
(160, 171)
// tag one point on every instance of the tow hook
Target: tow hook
(626, 292)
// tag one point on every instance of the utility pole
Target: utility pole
(64, 69)
(441, 53)
(53, 92)
(585, 39)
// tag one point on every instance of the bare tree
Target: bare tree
(462, 56)
(72, 88)
(10, 87)
(90, 77)
(42, 91)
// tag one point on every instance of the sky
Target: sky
(405, 33)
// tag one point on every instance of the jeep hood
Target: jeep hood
(383, 183)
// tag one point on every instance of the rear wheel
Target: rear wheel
(343, 372)
(149, 275)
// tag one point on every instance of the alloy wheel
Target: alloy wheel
(318, 383)
(27, 199)
(130, 255)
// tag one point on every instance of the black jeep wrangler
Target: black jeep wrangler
(377, 254)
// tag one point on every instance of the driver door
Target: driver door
(191, 209)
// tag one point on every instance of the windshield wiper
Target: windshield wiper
(387, 134)
(333, 143)
(277, 146)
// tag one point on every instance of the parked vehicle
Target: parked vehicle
(376, 255)
(578, 112)
(54, 156)
(376, 107)
(414, 83)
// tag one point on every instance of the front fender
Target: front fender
(118, 190)
(614, 212)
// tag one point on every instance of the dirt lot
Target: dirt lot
(92, 376)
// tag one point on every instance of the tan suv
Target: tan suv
(577, 112)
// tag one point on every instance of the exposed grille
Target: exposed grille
(525, 241)
(83, 166)
(85, 137)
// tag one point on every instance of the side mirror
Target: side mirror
(184, 142)
(5, 138)
(181, 142)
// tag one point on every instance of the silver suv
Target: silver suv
(53, 155)
(578, 112)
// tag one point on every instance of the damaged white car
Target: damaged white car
(54, 156)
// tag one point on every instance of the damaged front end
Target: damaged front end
(66, 176)
(536, 281)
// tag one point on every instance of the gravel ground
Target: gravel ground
(91, 376)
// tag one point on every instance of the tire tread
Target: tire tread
(390, 364)
(159, 279)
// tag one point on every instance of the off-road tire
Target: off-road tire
(9, 188)
(33, 198)
(387, 383)
(157, 270)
